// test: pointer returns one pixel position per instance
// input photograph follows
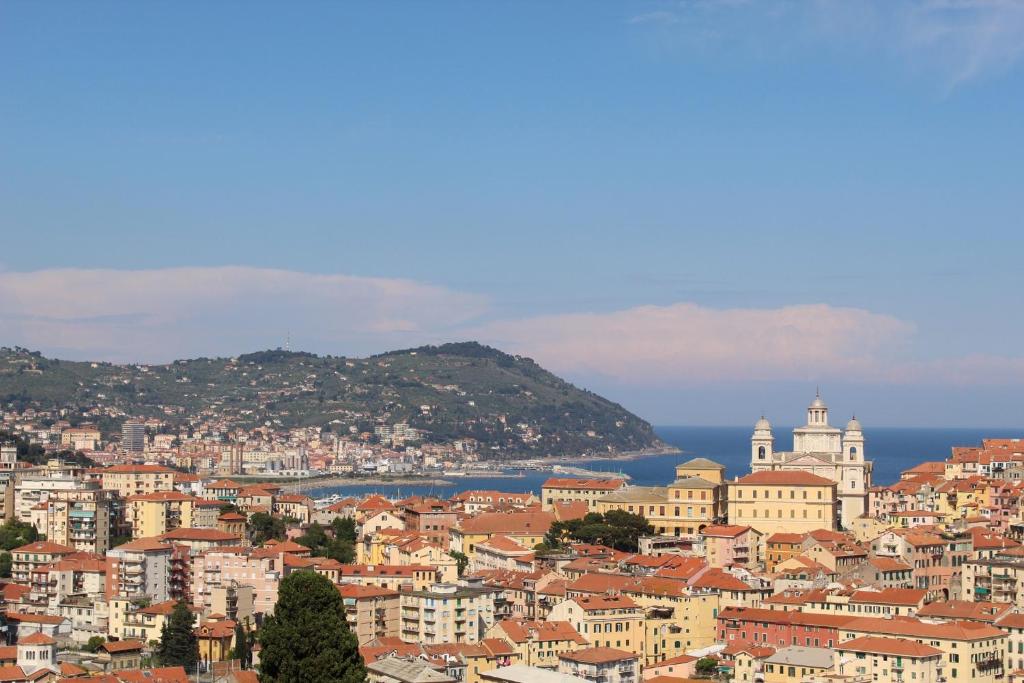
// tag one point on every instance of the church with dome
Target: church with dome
(820, 449)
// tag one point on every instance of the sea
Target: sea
(892, 449)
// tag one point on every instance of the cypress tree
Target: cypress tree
(307, 639)
(242, 651)
(179, 645)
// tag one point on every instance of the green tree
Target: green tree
(616, 528)
(315, 538)
(243, 653)
(178, 643)
(307, 639)
(344, 528)
(706, 666)
(6, 560)
(14, 534)
(461, 561)
(263, 527)
(95, 643)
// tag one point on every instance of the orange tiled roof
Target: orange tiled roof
(784, 478)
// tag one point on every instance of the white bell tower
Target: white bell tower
(761, 444)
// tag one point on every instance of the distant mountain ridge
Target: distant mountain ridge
(464, 390)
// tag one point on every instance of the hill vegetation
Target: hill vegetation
(508, 404)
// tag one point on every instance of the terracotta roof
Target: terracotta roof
(892, 596)
(888, 564)
(12, 673)
(45, 548)
(355, 590)
(223, 484)
(593, 603)
(898, 647)
(532, 523)
(195, 534)
(521, 631)
(915, 628)
(500, 542)
(167, 674)
(34, 618)
(597, 655)
(37, 638)
(498, 647)
(965, 610)
(148, 543)
(718, 579)
(123, 645)
(136, 469)
(784, 478)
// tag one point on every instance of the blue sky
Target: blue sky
(698, 208)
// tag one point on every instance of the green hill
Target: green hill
(509, 404)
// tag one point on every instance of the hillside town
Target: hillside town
(802, 570)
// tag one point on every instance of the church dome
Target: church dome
(853, 425)
(818, 403)
(763, 425)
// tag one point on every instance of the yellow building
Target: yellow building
(128, 620)
(526, 528)
(973, 650)
(153, 514)
(614, 621)
(539, 643)
(216, 639)
(568, 490)
(890, 659)
(134, 480)
(691, 502)
(80, 518)
(783, 501)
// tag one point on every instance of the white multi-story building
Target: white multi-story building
(820, 449)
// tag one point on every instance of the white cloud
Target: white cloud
(687, 342)
(956, 41)
(158, 315)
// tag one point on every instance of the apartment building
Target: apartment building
(774, 501)
(80, 518)
(140, 569)
(538, 643)
(156, 513)
(611, 621)
(447, 613)
(27, 558)
(136, 480)
(371, 612)
(899, 660)
(600, 665)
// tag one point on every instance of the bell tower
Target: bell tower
(761, 445)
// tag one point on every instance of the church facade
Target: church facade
(820, 449)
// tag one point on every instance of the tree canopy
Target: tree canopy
(616, 528)
(178, 643)
(14, 534)
(263, 527)
(341, 547)
(307, 639)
